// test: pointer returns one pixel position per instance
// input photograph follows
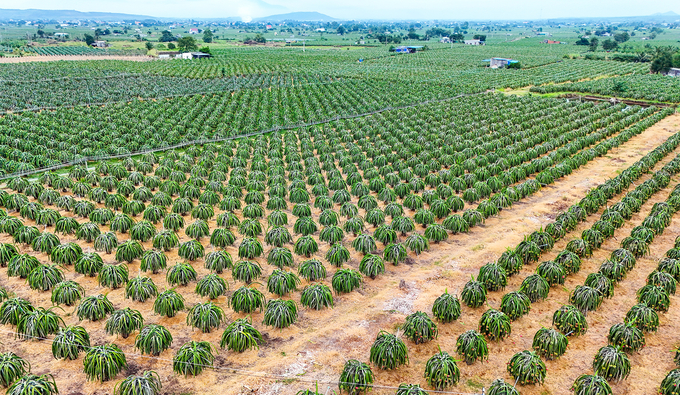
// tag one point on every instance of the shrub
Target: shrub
(193, 357)
(527, 368)
(417, 243)
(94, 308)
(191, 250)
(446, 308)
(669, 385)
(240, 336)
(69, 342)
(654, 297)
(217, 261)
(515, 305)
(247, 300)
(436, 233)
(626, 337)
(250, 248)
(549, 343)
(129, 250)
(280, 257)
(153, 261)
(601, 283)
(337, 255)
(419, 328)
(140, 289)
(180, 274)
(281, 282)
(153, 340)
(495, 325)
(371, 265)
(104, 362)
(44, 277)
(356, 377)
(205, 316)
(168, 303)
(113, 276)
(500, 387)
(554, 273)
(67, 292)
(312, 270)
(32, 384)
(142, 231)
(471, 346)
(66, 254)
(45, 242)
(388, 351)
(611, 363)
(535, 288)
(493, 277)
(643, 317)
(37, 324)
(474, 293)
(12, 367)
(22, 265)
(124, 322)
(149, 383)
(441, 371)
(12, 310)
(591, 385)
(346, 280)
(280, 313)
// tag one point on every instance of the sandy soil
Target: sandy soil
(316, 347)
(25, 59)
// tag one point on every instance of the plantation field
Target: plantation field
(268, 220)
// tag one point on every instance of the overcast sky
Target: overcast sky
(363, 9)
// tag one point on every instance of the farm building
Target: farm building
(100, 44)
(551, 42)
(673, 72)
(499, 63)
(193, 31)
(61, 35)
(408, 49)
(474, 42)
(193, 55)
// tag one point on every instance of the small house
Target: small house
(673, 72)
(193, 30)
(100, 44)
(499, 63)
(193, 55)
(474, 42)
(445, 40)
(61, 35)
(551, 42)
(408, 49)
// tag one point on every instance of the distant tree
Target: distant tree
(662, 61)
(480, 37)
(149, 46)
(396, 39)
(412, 35)
(98, 32)
(88, 39)
(187, 44)
(609, 45)
(171, 46)
(676, 59)
(594, 42)
(622, 37)
(582, 41)
(341, 30)
(166, 37)
(208, 36)
(260, 39)
(205, 49)
(457, 37)
(41, 33)
(107, 32)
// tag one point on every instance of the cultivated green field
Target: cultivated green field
(338, 217)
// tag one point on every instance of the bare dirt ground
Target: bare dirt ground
(316, 347)
(26, 59)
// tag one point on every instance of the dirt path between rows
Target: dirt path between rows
(316, 347)
(27, 59)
